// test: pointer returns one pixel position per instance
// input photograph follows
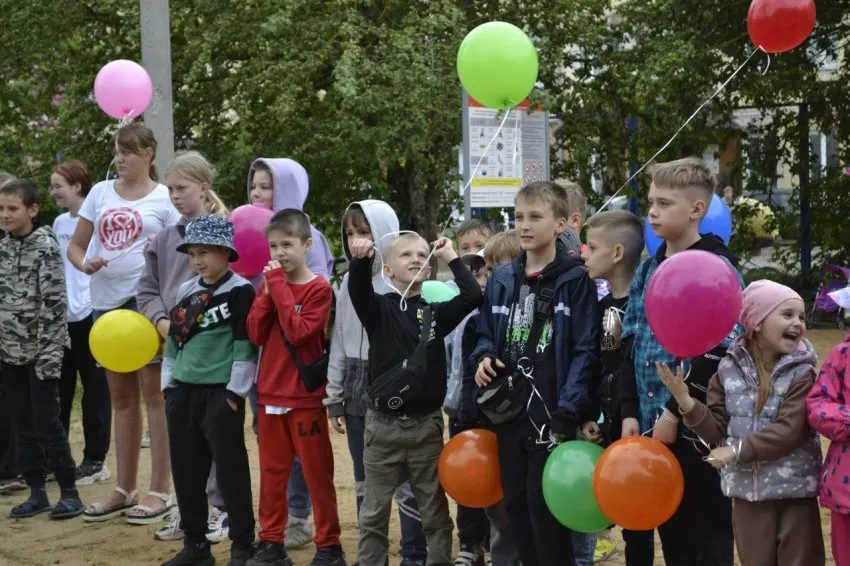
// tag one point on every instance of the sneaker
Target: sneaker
(91, 471)
(469, 557)
(605, 549)
(50, 477)
(270, 554)
(146, 439)
(9, 485)
(240, 555)
(218, 526)
(193, 555)
(174, 530)
(298, 533)
(329, 556)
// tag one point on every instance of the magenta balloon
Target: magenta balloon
(250, 241)
(123, 89)
(693, 302)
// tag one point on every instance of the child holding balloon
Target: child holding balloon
(755, 416)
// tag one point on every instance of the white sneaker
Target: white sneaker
(298, 533)
(218, 526)
(174, 530)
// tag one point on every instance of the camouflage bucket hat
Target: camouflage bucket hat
(210, 230)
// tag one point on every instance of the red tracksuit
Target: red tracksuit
(301, 312)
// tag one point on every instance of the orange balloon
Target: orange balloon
(469, 469)
(638, 483)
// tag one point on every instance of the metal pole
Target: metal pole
(805, 208)
(156, 58)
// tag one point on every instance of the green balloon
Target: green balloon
(438, 292)
(497, 64)
(568, 486)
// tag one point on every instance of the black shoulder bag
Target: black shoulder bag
(316, 374)
(392, 390)
(505, 398)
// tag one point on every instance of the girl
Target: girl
(829, 416)
(70, 183)
(125, 214)
(770, 460)
(189, 179)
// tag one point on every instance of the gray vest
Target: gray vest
(791, 477)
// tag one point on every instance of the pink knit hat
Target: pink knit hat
(760, 299)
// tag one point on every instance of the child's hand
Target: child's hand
(362, 248)
(590, 432)
(444, 250)
(485, 372)
(631, 427)
(666, 430)
(721, 457)
(232, 404)
(677, 386)
(338, 424)
(94, 264)
(273, 264)
(163, 326)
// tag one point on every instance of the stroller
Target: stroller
(832, 278)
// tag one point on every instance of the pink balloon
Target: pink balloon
(123, 89)
(693, 302)
(248, 223)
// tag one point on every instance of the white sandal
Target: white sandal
(97, 512)
(150, 516)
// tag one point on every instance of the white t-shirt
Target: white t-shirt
(76, 282)
(122, 231)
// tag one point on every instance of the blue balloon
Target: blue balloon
(717, 221)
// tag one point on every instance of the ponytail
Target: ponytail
(214, 205)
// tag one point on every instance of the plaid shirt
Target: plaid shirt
(647, 351)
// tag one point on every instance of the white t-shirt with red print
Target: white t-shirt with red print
(122, 231)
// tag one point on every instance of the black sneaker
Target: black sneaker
(197, 554)
(269, 554)
(240, 554)
(8, 485)
(91, 471)
(329, 556)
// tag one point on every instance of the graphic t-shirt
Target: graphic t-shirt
(613, 311)
(76, 282)
(122, 231)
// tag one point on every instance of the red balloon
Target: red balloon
(469, 469)
(638, 483)
(693, 302)
(249, 239)
(780, 25)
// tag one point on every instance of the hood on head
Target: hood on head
(382, 221)
(707, 243)
(291, 184)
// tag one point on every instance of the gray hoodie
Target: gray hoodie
(166, 270)
(291, 187)
(348, 367)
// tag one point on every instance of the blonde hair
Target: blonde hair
(690, 172)
(623, 228)
(195, 167)
(765, 382)
(576, 199)
(502, 247)
(389, 249)
(551, 193)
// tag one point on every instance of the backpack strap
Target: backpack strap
(644, 271)
(542, 309)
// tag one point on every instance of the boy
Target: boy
(538, 336)
(473, 235)
(348, 370)
(289, 321)
(701, 529)
(32, 292)
(404, 424)
(207, 369)
(614, 245)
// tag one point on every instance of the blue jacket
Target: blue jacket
(576, 329)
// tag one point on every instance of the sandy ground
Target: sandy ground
(39, 541)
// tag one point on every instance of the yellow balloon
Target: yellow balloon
(123, 341)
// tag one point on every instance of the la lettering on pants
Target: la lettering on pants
(700, 532)
(202, 429)
(784, 532)
(8, 440)
(301, 432)
(33, 405)
(394, 442)
(96, 403)
(541, 540)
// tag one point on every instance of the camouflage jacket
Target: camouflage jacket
(33, 326)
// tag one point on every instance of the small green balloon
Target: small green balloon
(568, 486)
(497, 64)
(438, 292)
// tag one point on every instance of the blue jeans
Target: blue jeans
(297, 493)
(584, 545)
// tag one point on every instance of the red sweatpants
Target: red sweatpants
(301, 432)
(840, 538)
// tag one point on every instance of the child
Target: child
(473, 235)
(207, 370)
(189, 179)
(701, 529)
(70, 183)
(827, 414)
(289, 321)
(538, 338)
(755, 415)
(612, 253)
(404, 426)
(31, 349)
(348, 369)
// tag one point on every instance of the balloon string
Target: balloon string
(682, 127)
(516, 138)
